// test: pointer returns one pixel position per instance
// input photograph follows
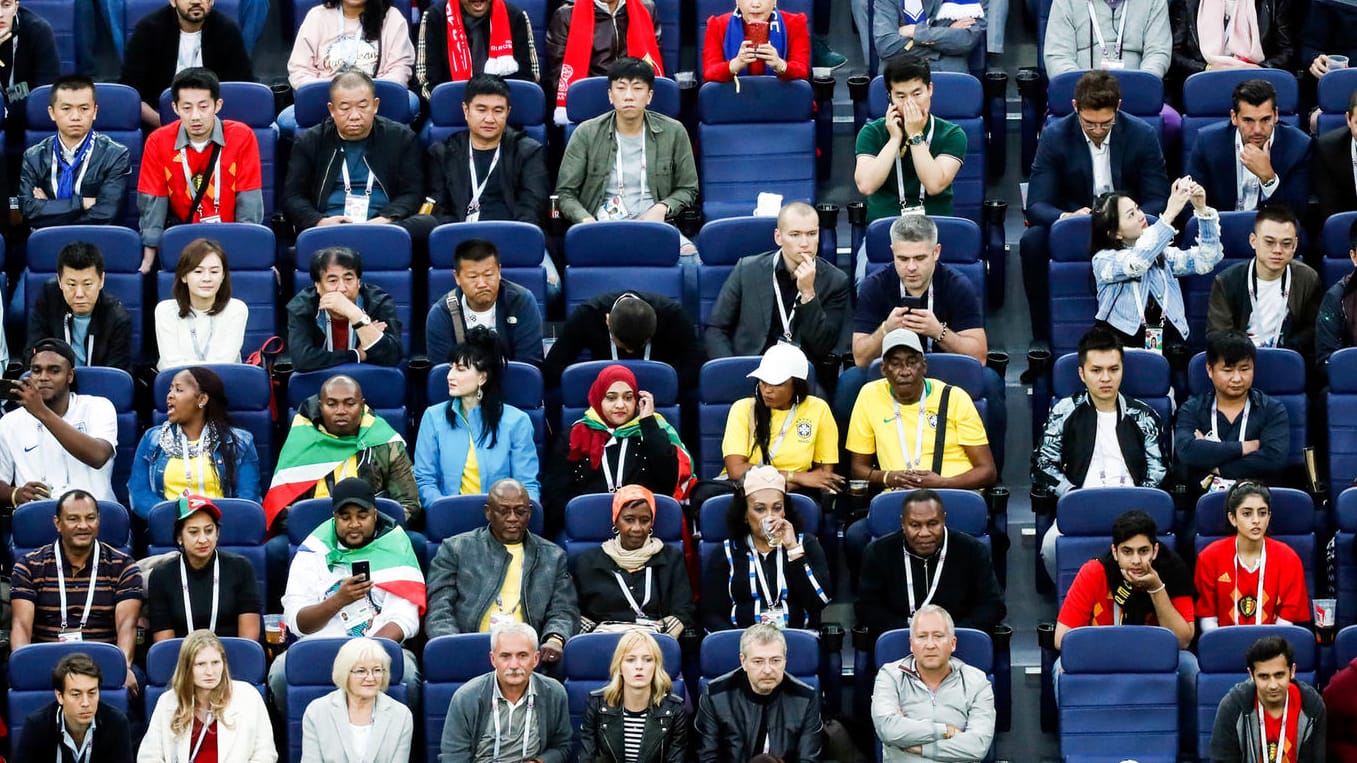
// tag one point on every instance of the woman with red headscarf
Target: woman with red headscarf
(620, 440)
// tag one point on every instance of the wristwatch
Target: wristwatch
(362, 322)
(916, 139)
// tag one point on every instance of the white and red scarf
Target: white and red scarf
(500, 61)
(579, 46)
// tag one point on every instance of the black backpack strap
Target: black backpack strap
(940, 438)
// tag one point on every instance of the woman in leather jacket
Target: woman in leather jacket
(637, 705)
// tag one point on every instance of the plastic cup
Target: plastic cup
(857, 487)
(1325, 612)
(274, 629)
(1337, 62)
(821, 72)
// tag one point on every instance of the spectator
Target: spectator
(593, 457)
(917, 555)
(457, 40)
(757, 707)
(356, 149)
(358, 718)
(1098, 437)
(1234, 586)
(226, 603)
(1255, 159)
(1272, 297)
(603, 174)
(808, 305)
(371, 37)
(73, 308)
(200, 307)
(1214, 440)
(474, 439)
(341, 319)
(206, 709)
(1336, 324)
(102, 600)
(63, 197)
(636, 325)
(196, 451)
(78, 723)
(204, 37)
(923, 707)
(482, 297)
(500, 574)
(1127, 250)
(1253, 720)
(764, 535)
(1339, 696)
(1098, 148)
(326, 598)
(1335, 178)
(501, 692)
(636, 714)
(756, 38)
(1121, 35)
(1329, 28)
(661, 600)
(942, 35)
(56, 440)
(217, 160)
(30, 67)
(1243, 36)
(588, 39)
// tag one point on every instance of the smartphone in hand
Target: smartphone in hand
(362, 569)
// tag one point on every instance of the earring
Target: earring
(201, 405)
(479, 394)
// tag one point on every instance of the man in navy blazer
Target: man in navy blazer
(1254, 159)
(1065, 179)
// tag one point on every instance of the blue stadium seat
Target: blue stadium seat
(249, 254)
(720, 654)
(711, 522)
(1336, 244)
(1278, 372)
(1206, 99)
(60, 15)
(244, 658)
(1342, 418)
(386, 254)
(588, 98)
(1074, 296)
(586, 662)
(309, 663)
(383, 390)
(589, 522)
(720, 383)
(655, 377)
(1145, 377)
(603, 257)
(32, 527)
(313, 99)
(973, 647)
(1119, 691)
(966, 513)
(763, 130)
(520, 248)
(242, 532)
(668, 18)
(1334, 90)
(30, 679)
(122, 252)
(251, 103)
(449, 662)
(249, 395)
(1142, 95)
(1292, 523)
(116, 386)
(1345, 558)
(527, 110)
(296, 10)
(705, 10)
(1345, 646)
(722, 244)
(455, 514)
(962, 249)
(1221, 657)
(523, 389)
(1085, 518)
(119, 118)
(537, 19)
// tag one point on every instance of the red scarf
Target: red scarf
(579, 46)
(500, 61)
(1275, 734)
(587, 442)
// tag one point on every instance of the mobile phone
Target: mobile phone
(9, 388)
(362, 569)
(914, 303)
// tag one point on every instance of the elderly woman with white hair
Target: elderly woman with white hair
(358, 721)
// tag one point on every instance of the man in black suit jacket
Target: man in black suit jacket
(1335, 174)
(98, 730)
(814, 293)
(1064, 181)
(1272, 158)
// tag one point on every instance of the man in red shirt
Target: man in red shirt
(203, 169)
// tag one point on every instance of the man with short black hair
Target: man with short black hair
(1336, 324)
(1334, 164)
(481, 296)
(628, 325)
(74, 308)
(1255, 159)
(341, 319)
(77, 726)
(1271, 716)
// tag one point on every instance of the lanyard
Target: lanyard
(614, 484)
(1140, 304)
(477, 185)
(1097, 30)
(81, 157)
(621, 185)
(1258, 598)
(526, 720)
(216, 179)
(1281, 731)
(348, 188)
(198, 745)
(200, 350)
(216, 597)
(782, 433)
(622, 583)
(781, 311)
(937, 574)
(756, 571)
(928, 295)
(645, 355)
(1243, 420)
(1253, 295)
(188, 467)
(899, 168)
(919, 433)
(61, 585)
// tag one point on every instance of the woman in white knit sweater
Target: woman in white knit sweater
(201, 323)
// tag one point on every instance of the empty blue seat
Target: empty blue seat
(721, 382)
(520, 248)
(119, 118)
(383, 390)
(1207, 99)
(249, 254)
(251, 103)
(449, 662)
(763, 130)
(655, 377)
(959, 237)
(32, 526)
(527, 110)
(1345, 558)
(1086, 516)
(244, 658)
(249, 395)
(1281, 374)
(1342, 417)
(386, 254)
(455, 514)
(589, 98)
(1336, 244)
(309, 665)
(30, 679)
(604, 257)
(723, 243)
(121, 248)
(1118, 693)
(1221, 657)
(589, 522)
(1074, 296)
(242, 532)
(116, 386)
(586, 662)
(60, 15)
(1345, 646)
(1292, 522)
(313, 99)
(523, 389)
(1335, 88)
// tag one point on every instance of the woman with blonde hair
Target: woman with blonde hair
(205, 716)
(358, 721)
(636, 718)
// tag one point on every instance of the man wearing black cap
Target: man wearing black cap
(56, 439)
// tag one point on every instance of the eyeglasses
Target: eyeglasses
(1097, 125)
(368, 673)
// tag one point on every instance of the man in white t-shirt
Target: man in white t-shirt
(1272, 297)
(55, 440)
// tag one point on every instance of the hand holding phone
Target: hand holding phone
(910, 302)
(362, 569)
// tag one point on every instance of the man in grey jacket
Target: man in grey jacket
(930, 705)
(1130, 34)
(517, 697)
(503, 573)
(1293, 712)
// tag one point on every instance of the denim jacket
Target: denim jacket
(1115, 270)
(440, 452)
(146, 485)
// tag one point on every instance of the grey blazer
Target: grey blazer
(326, 737)
(743, 313)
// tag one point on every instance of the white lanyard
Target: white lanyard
(622, 583)
(527, 720)
(899, 168)
(1281, 731)
(1258, 598)
(197, 746)
(937, 574)
(645, 355)
(614, 484)
(216, 593)
(786, 424)
(756, 571)
(200, 350)
(216, 181)
(782, 312)
(919, 433)
(1253, 297)
(188, 467)
(84, 162)
(1243, 420)
(1098, 32)
(348, 188)
(1140, 304)
(621, 185)
(477, 185)
(61, 585)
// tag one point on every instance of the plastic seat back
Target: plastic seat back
(386, 256)
(723, 243)
(1335, 88)
(1119, 691)
(655, 377)
(1145, 377)
(60, 15)
(1342, 416)
(961, 241)
(1278, 372)
(31, 527)
(1207, 99)
(587, 659)
(720, 654)
(709, 10)
(383, 390)
(119, 118)
(757, 139)
(720, 384)
(455, 514)
(611, 256)
(304, 516)
(245, 658)
(966, 513)
(121, 248)
(1337, 243)
(309, 664)
(523, 389)
(242, 532)
(527, 110)
(1142, 96)
(116, 386)
(313, 99)
(1074, 297)
(1292, 522)
(588, 98)
(1085, 518)
(1221, 657)
(30, 679)
(973, 647)
(449, 662)
(520, 246)
(1345, 558)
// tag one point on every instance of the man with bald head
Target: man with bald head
(503, 573)
(805, 302)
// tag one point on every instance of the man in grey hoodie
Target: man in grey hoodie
(1292, 713)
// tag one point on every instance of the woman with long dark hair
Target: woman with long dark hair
(201, 322)
(196, 450)
(474, 439)
(371, 36)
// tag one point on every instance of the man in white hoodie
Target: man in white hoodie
(929, 705)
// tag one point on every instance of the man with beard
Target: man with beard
(1271, 716)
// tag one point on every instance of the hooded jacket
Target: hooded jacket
(1235, 735)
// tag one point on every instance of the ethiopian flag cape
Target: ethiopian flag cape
(311, 453)
(394, 567)
(686, 480)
